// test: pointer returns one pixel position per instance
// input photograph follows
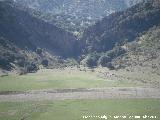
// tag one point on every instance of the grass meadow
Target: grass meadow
(71, 109)
(76, 109)
(59, 79)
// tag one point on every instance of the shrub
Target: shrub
(5, 64)
(71, 62)
(103, 60)
(45, 63)
(32, 67)
(110, 55)
(91, 60)
(39, 51)
(110, 66)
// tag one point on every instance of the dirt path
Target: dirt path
(64, 94)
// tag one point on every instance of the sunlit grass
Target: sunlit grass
(75, 109)
(60, 79)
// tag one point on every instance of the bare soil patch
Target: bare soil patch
(73, 94)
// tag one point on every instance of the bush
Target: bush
(103, 60)
(5, 64)
(39, 51)
(71, 62)
(31, 67)
(110, 66)
(107, 57)
(117, 51)
(45, 63)
(91, 60)
(3, 42)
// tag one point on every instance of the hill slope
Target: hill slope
(28, 42)
(25, 30)
(142, 54)
(76, 15)
(104, 42)
(122, 27)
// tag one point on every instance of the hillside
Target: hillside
(105, 41)
(121, 27)
(77, 15)
(28, 38)
(28, 31)
(15, 59)
(28, 43)
(142, 54)
(79, 59)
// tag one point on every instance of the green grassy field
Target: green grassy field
(71, 109)
(47, 79)
(75, 110)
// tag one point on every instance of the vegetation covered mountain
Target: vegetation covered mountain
(28, 42)
(103, 42)
(76, 15)
(28, 31)
(13, 58)
(122, 26)
(30, 39)
(142, 54)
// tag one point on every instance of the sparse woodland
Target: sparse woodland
(31, 39)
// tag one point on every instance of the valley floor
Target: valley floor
(76, 109)
(75, 94)
(71, 93)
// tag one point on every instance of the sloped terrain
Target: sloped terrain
(29, 27)
(28, 42)
(15, 59)
(120, 54)
(76, 15)
(122, 27)
(142, 54)
(25, 30)
(105, 41)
